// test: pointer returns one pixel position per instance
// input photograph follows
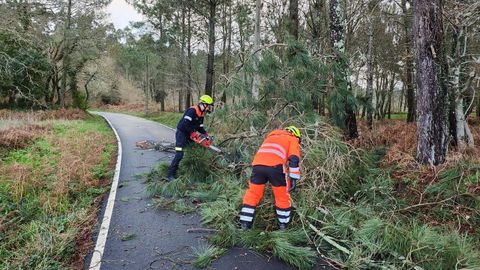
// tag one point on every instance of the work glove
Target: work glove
(293, 185)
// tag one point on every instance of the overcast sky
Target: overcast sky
(122, 13)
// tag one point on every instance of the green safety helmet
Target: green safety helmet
(294, 130)
(206, 99)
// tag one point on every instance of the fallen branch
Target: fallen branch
(330, 240)
(432, 203)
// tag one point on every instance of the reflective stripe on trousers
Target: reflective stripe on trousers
(247, 213)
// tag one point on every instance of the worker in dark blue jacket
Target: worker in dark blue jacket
(192, 120)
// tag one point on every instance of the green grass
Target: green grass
(399, 116)
(45, 207)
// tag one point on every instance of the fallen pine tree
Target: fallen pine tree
(348, 208)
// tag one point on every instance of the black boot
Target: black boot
(245, 225)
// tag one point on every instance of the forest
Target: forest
(384, 91)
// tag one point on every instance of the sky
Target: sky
(122, 13)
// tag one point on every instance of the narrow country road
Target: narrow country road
(142, 237)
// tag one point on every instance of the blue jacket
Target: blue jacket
(192, 120)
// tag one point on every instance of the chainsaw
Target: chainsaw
(204, 141)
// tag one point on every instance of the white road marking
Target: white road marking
(96, 261)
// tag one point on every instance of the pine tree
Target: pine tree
(342, 101)
(432, 132)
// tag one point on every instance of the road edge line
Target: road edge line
(97, 254)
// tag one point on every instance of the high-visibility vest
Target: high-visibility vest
(280, 147)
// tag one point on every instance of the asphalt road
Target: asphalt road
(143, 237)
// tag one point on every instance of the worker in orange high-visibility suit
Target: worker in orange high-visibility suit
(280, 149)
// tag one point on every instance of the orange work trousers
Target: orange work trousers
(280, 185)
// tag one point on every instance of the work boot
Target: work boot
(282, 226)
(246, 225)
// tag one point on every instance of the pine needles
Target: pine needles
(206, 254)
(350, 205)
(300, 257)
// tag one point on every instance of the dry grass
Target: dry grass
(124, 108)
(400, 138)
(135, 108)
(21, 137)
(72, 163)
(18, 129)
(64, 162)
(66, 114)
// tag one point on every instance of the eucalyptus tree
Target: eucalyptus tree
(462, 18)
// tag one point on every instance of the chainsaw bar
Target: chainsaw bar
(216, 149)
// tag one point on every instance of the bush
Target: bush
(111, 98)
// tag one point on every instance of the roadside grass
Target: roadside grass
(399, 116)
(50, 187)
(363, 205)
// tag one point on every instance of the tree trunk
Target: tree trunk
(315, 8)
(341, 71)
(189, 60)
(402, 95)
(478, 107)
(56, 85)
(377, 94)
(66, 54)
(410, 93)
(183, 91)
(369, 91)
(87, 93)
(211, 48)
(48, 94)
(147, 86)
(408, 63)
(388, 108)
(293, 19)
(227, 42)
(432, 132)
(384, 96)
(256, 48)
(463, 135)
